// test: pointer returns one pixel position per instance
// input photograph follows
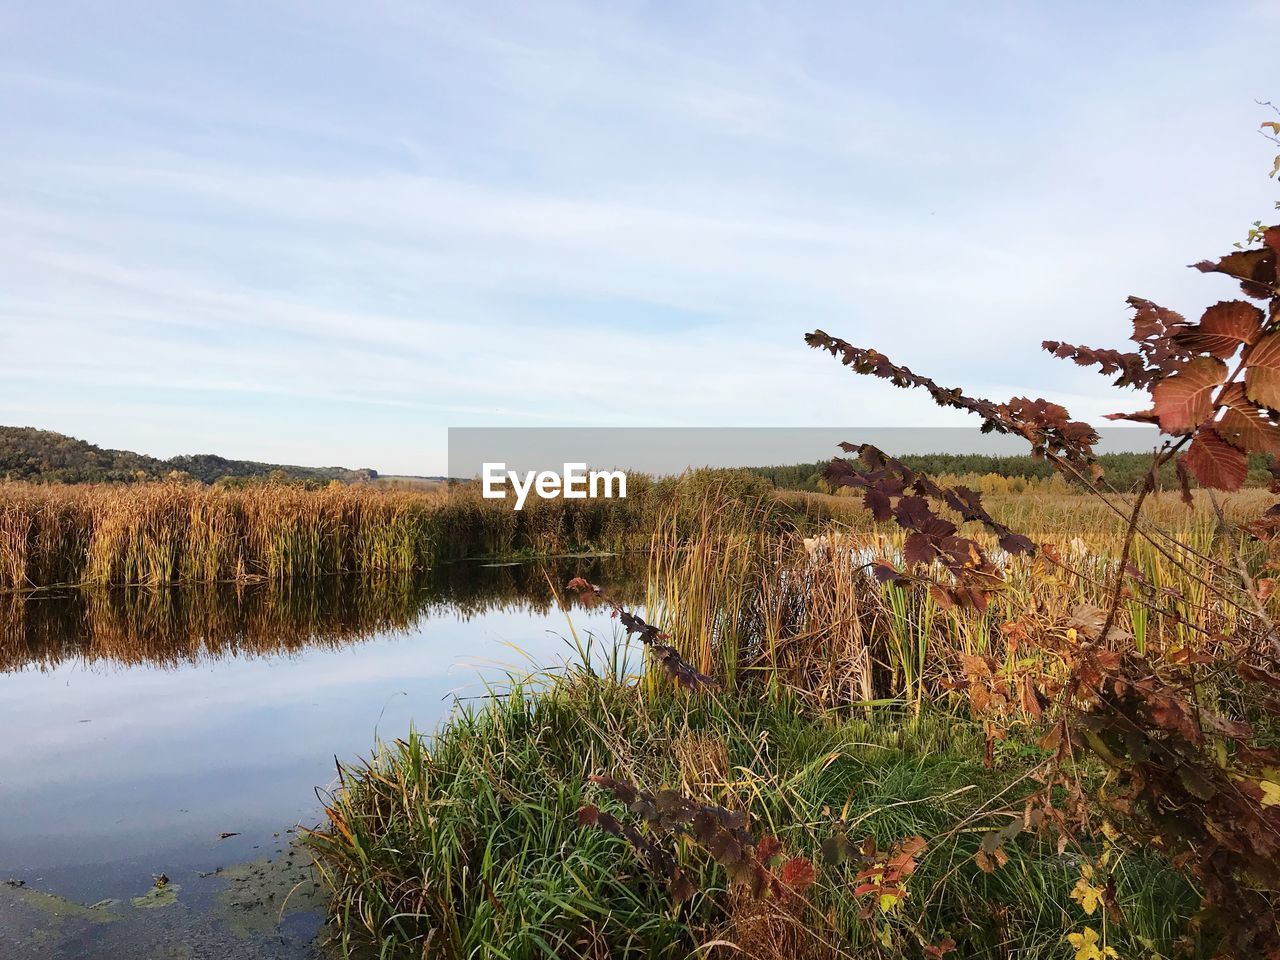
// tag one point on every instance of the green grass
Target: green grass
(465, 844)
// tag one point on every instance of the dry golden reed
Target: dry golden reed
(804, 614)
(175, 532)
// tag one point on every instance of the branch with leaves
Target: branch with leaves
(676, 667)
(1186, 777)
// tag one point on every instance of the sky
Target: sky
(323, 233)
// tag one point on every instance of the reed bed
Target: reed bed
(804, 612)
(166, 533)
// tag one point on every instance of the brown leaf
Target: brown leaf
(1223, 328)
(975, 667)
(1215, 463)
(1246, 425)
(682, 888)
(1255, 269)
(1051, 739)
(1185, 400)
(1271, 237)
(1262, 376)
(1030, 698)
(913, 845)
(1087, 618)
(1138, 416)
(919, 548)
(725, 849)
(1184, 481)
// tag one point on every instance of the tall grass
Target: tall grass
(465, 844)
(173, 532)
(164, 533)
(805, 614)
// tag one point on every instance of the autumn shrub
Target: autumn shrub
(1181, 727)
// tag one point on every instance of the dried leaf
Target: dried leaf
(1255, 269)
(798, 874)
(1246, 425)
(1262, 376)
(1215, 463)
(1223, 329)
(1185, 400)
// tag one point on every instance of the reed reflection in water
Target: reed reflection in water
(172, 626)
(143, 723)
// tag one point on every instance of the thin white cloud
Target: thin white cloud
(502, 214)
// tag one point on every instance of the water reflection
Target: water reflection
(141, 725)
(183, 625)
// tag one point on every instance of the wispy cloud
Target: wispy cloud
(327, 233)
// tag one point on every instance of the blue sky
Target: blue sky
(325, 232)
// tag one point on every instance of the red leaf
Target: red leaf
(1150, 320)
(1255, 269)
(1215, 463)
(1262, 378)
(1223, 328)
(1138, 416)
(1246, 425)
(798, 874)
(1185, 400)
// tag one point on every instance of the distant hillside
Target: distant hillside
(48, 457)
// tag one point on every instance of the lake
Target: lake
(185, 733)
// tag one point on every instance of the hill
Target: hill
(47, 457)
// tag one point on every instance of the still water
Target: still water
(184, 734)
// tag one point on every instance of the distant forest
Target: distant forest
(1124, 471)
(43, 456)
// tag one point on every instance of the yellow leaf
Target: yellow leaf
(1088, 946)
(1270, 793)
(1087, 895)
